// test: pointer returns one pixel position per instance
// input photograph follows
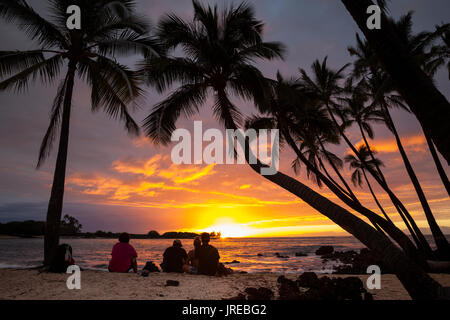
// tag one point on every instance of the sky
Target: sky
(117, 182)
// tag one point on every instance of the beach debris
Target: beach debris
(324, 250)
(172, 283)
(151, 267)
(300, 254)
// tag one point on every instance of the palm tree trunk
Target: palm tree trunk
(419, 284)
(438, 163)
(403, 212)
(395, 233)
(371, 153)
(411, 81)
(375, 197)
(350, 191)
(441, 242)
(322, 165)
(55, 205)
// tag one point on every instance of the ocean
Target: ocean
(95, 253)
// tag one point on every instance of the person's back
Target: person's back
(208, 257)
(123, 256)
(174, 258)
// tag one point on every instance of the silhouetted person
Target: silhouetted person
(123, 256)
(191, 265)
(208, 257)
(174, 258)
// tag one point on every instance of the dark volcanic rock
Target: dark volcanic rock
(324, 250)
(357, 263)
(287, 289)
(172, 283)
(278, 255)
(300, 254)
(323, 288)
(259, 294)
(234, 261)
(260, 255)
(307, 280)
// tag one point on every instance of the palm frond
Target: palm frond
(34, 26)
(46, 70)
(160, 124)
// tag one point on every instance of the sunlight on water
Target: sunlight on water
(95, 253)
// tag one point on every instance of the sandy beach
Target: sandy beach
(30, 284)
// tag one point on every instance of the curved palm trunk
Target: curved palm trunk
(441, 242)
(55, 205)
(375, 197)
(322, 165)
(419, 285)
(437, 161)
(395, 233)
(401, 209)
(349, 190)
(371, 153)
(411, 81)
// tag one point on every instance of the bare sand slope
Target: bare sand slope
(30, 284)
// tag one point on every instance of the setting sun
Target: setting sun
(229, 229)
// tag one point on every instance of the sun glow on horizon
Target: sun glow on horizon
(228, 228)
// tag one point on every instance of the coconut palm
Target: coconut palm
(359, 171)
(325, 85)
(367, 65)
(218, 50)
(439, 55)
(412, 82)
(379, 87)
(108, 28)
(294, 112)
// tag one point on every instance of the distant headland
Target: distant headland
(70, 227)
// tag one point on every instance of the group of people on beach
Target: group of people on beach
(202, 259)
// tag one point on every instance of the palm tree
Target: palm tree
(295, 113)
(439, 54)
(360, 171)
(412, 82)
(325, 85)
(218, 51)
(380, 88)
(367, 65)
(108, 28)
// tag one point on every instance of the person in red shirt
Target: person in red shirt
(123, 256)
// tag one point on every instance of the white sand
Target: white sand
(30, 284)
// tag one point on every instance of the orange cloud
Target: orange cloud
(412, 143)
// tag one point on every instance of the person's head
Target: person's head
(197, 242)
(177, 243)
(124, 237)
(205, 238)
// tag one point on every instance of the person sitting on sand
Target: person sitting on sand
(174, 258)
(191, 265)
(208, 257)
(123, 256)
